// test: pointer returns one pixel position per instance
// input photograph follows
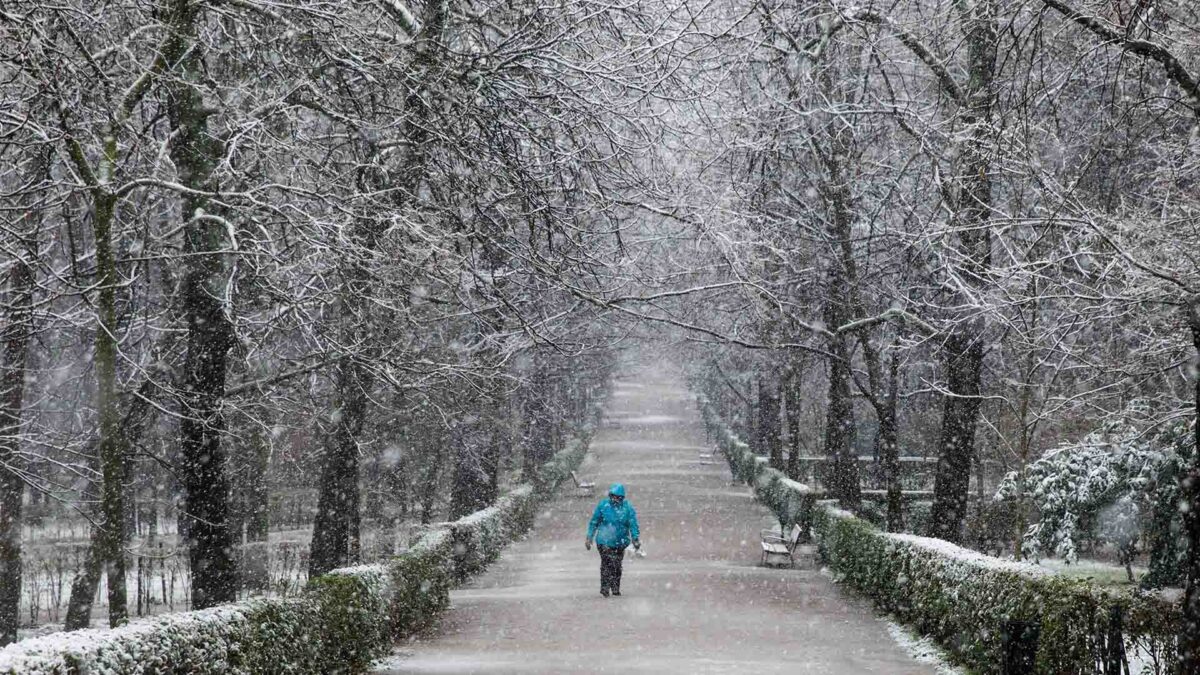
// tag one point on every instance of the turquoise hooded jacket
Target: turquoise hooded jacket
(613, 526)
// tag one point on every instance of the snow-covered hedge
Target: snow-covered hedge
(983, 609)
(975, 605)
(478, 538)
(421, 579)
(339, 624)
(560, 466)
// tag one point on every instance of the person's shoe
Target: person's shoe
(616, 592)
(604, 592)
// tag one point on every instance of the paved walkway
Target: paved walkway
(698, 603)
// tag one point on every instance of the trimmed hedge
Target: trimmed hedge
(989, 613)
(986, 610)
(342, 621)
(791, 501)
(478, 538)
(258, 636)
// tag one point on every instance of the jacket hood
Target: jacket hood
(617, 489)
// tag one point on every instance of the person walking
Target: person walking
(613, 525)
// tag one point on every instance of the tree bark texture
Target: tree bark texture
(204, 301)
(960, 412)
(112, 449)
(336, 530)
(339, 475)
(14, 341)
(889, 449)
(839, 429)
(793, 396)
(87, 580)
(963, 351)
(85, 583)
(475, 484)
(1189, 636)
(256, 513)
(771, 430)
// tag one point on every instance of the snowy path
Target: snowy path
(697, 604)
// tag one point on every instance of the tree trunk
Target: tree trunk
(839, 429)
(883, 396)
(538, 435)
(746, 433)
(964, 347)
(14, 340)
(792, 394)
(112, 449)
(1189, 637)
(431, 475)
(772, 436)
(85, 583)
(87, 580)
(206, 277)
(336, 537)
(339, 475)
(476, 464)
(256, 502)
(758, 437)
(470, 488)
(840, 300)
(960, 413)
(889, 448)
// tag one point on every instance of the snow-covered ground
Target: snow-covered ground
(923, 649)
(698, 603)
(1098, 571)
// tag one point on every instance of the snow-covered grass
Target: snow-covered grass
(1096, 571)
(158, 577)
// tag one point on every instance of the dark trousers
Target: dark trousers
(610, 567)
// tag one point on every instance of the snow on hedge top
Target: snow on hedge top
(832, 509)
(797, 486)
(360, 571)
(478, 517)
(61, 651)
(976, 559)
(431, 540)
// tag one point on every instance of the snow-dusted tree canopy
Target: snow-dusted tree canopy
(281, 281)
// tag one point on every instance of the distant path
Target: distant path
(697, 604)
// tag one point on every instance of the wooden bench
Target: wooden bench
(775, 546)
(583, 487)
(706, 458)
